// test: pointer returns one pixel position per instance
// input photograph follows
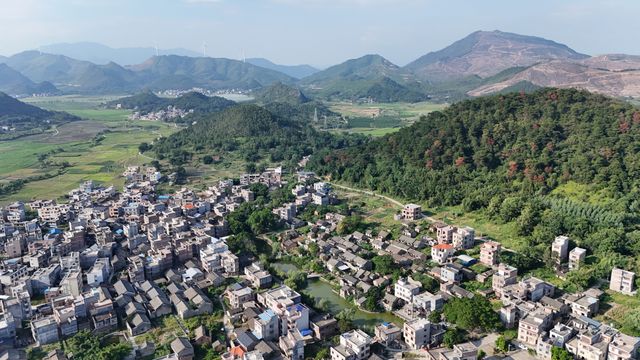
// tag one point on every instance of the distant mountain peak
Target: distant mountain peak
(486, 53)
(296, 71)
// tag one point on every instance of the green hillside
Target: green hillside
(253, 132)
(19, 119)
(508, 156)
(280, 93)
(370, 77)
(72, 75)
(14, 83)
(175, 72)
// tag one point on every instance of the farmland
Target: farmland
(99, 147)
(381, 119)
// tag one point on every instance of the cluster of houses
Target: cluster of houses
(530, 305)
(171, 112)
(108, 260)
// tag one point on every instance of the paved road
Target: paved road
(368, 192)
(389, 199)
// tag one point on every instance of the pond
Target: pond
(319, 289)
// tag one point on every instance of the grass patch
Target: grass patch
(506, 234)
(622, 312)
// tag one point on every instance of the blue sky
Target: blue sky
(318, 32)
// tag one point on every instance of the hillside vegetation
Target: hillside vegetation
(504, 155)
(275, 132)
(280, 93)
(19, 119)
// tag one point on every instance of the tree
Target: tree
(345, 319)
(373, 297)
(242, 243)
(470, 314)
(481, 355)
(323, 305)
(296, 280)
(323, 354)
(250, 167)
(261, 221)
(259, 190)
(452, 336)
(85, 346)
(144, 147)
(435, 316)
(349, 224)
(428, 283)
(558, 353)
(383, 264)
(207, 159)
(501, 344)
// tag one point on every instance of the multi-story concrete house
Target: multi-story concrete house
(441, 253)
(354, 345)
(576, 257)
(623, 347)
(411, 212)
(266, 326)
(45, 330)
(622, 281)
(504, 276)
(279, 299)
(463, 238)
(592, 343)
(388, 333)
(533, 326)
(490, 253)
(406, 290)
(99, 273)
(560, 249)
(417, 333)
(258, 276)
(445, 234)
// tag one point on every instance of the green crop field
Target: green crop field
(381, 119)
(98, 148)
(405, 111)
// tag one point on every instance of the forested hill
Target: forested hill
(255, 132)
(19, 119)
(506, 154)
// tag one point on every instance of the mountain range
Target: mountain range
(296, 71)
(13, 82)
(102, 54)
(157, 73)
(482, 63)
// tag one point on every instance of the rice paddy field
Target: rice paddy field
(99, 148)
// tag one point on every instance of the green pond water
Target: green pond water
(319, 289)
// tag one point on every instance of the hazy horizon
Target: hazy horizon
(316, 32)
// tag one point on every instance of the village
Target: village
(121, 263)
(171, 112)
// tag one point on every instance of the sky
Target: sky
(317, 32)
